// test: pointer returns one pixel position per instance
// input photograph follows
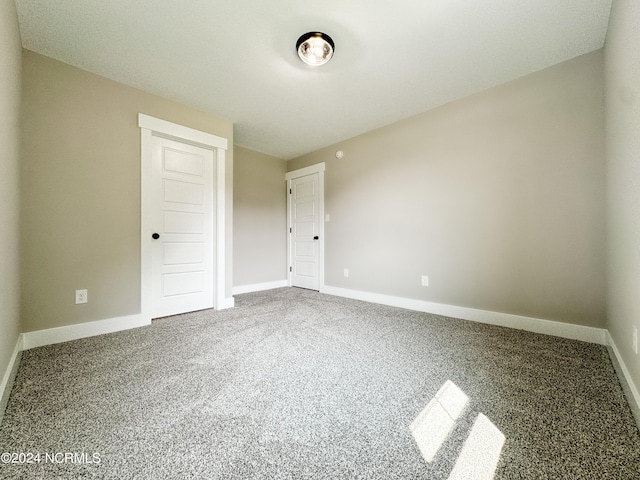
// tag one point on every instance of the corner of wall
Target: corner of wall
(9, 376)
(10, 98)
(628, 386)
(622, 122)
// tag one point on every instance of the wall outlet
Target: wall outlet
(81, 296)
(634, 337)
(346, 272)
(425, 281)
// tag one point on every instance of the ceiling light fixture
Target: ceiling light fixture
(315, 48)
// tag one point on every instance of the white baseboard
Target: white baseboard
(50, 336)
(258, 287)
(536, 325)
(9, 375)
(630, 388)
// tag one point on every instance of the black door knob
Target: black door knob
(315, 238)
(155, 236)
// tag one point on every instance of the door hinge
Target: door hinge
(290, 230)
(291, 269)
(290, 192)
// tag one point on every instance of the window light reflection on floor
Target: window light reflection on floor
(432, 426)
(480, 453)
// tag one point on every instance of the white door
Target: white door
(182, 237)
(304, 231)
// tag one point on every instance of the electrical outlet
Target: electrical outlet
(81, 296)
(425, 281)
(346, 272)
(635, 340)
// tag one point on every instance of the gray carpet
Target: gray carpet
(295, 384)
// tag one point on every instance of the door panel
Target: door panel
(181, 253)
(183, 192)
(182, 264)
(183, 223)
(182, 283)
(180, 161)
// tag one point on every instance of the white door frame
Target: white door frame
(150, 126)
(319, 169)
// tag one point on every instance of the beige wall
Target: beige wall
(10, 51)
(259, 218)
(622, 75)
(498, 198)
(81, 191)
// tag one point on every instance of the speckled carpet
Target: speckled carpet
(295, 384)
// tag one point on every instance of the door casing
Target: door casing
(150, 126)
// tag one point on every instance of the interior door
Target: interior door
(304, 231)
(182, 240)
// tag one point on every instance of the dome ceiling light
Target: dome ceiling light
(315, 48)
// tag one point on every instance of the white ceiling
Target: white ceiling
(236, 59)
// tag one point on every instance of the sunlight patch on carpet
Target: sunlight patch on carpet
(481, 451)
(434, 423)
